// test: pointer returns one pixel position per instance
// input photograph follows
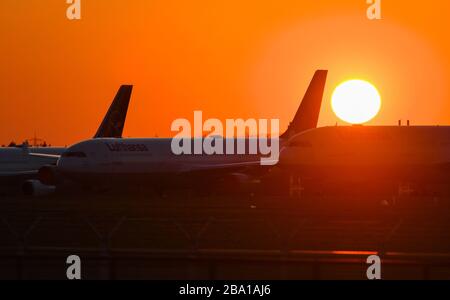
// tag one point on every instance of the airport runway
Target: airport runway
(181, 236)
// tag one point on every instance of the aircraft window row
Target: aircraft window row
(74, 154)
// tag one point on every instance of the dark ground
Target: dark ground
(223, 237)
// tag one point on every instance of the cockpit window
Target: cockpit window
(73, 154)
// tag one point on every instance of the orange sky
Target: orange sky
(231, 59)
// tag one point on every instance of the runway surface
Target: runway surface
(181, 236)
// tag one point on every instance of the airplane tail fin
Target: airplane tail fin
(307, 115)
(114, 121)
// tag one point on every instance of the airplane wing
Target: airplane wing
(43, 155)
(13, 175)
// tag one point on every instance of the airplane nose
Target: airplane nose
(67, 164)
(72, 161)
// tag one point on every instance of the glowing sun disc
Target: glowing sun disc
(356, 101)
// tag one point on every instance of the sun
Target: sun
(356, 101)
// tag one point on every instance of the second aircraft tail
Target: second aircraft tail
(114, 121)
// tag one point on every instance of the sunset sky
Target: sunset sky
(230, 59)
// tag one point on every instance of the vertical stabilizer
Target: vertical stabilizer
(114, 121)
(307, 115)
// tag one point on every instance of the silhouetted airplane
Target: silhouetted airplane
(377, 157)
(115, 162)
